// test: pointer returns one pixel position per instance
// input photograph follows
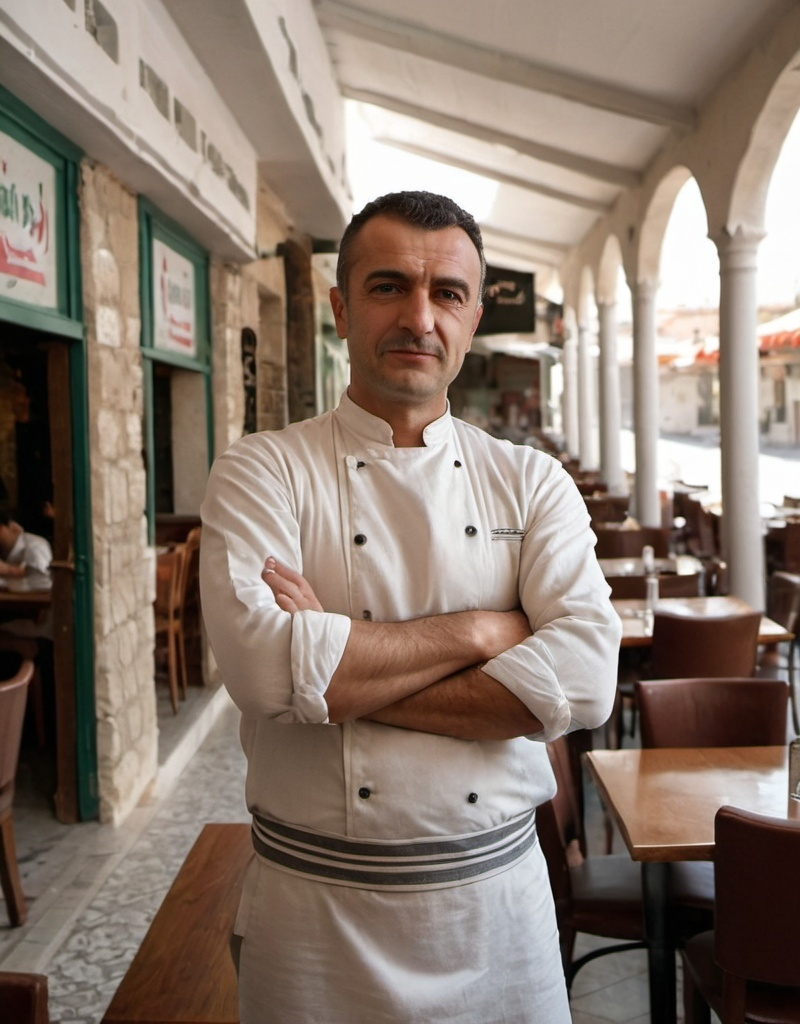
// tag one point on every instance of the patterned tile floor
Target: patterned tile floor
(94, 888)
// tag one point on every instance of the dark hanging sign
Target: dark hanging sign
(508, 303)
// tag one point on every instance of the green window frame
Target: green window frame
(155, 226)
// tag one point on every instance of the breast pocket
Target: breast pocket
(503, 578)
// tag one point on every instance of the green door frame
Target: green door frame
(66, 322)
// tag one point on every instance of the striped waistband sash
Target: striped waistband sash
(400, 864)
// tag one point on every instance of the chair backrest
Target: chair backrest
(23, 998)
(783, 598)
(13, 697)
(559, 823)
(701, 536)
(189, 590)
(169, 572)
(670, 584)
(712, 646)
(789, 536)
(673, 584)
(609, 508)
(757, 906)
(659, 538)
(735, 712)
(624, 588)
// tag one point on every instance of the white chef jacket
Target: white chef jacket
(388, 534)
(466, 522)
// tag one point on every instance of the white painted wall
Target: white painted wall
(100, 105)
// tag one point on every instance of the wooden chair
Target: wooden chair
(169, 571)
(713, 647)
(28, 649)
(748, 968)
(602, 895)
(608, 508)
(783, 606)
(13, 698)
(701, 539)
(23, 998)
(733, 712)
(686, 647)
(189, 598)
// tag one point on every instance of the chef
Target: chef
(405, 610)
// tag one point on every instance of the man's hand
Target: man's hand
(15, 571)
(292, 591)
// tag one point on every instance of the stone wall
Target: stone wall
(124, 568)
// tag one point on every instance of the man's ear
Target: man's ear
(339, 308)
(475, 322)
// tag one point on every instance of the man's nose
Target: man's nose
(417, 314)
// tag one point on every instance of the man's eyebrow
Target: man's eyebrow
(384, 275)
(456, 283)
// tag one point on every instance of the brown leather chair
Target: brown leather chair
(733, 712)
(748, 968)
(700, 531)
(13, 697)
(608, 508)
(602, 895)
(686, 646)
(23, 998)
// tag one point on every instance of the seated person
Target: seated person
(23, 554)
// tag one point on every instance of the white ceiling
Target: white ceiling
(559, 103)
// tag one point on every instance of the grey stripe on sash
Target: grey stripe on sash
(414, 864)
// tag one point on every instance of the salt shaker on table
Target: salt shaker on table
(650, 602)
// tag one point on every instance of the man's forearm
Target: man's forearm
(468, 705)
(385, 662)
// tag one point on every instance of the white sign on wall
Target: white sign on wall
(27, 208)
(173, 301)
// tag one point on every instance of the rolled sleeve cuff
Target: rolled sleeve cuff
(318, 642)
(542, 695)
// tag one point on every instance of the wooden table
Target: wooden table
(664, 802)
(20, 602)
(183, 972)
(636, 634)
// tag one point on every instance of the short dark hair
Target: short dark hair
(425, 210)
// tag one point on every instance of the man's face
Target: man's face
(411, 310)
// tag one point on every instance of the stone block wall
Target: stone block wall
(124, 564)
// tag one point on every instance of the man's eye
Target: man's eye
(385, 288)
(450, 296)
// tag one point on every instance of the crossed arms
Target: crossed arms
(428, 669)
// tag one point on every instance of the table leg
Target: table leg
(656, 879)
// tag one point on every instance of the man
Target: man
(432, 612)
(23, 554)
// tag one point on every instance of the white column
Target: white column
(645, 404)
(585, 401)
(569, 397)
(610, 401)
(738, 391)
